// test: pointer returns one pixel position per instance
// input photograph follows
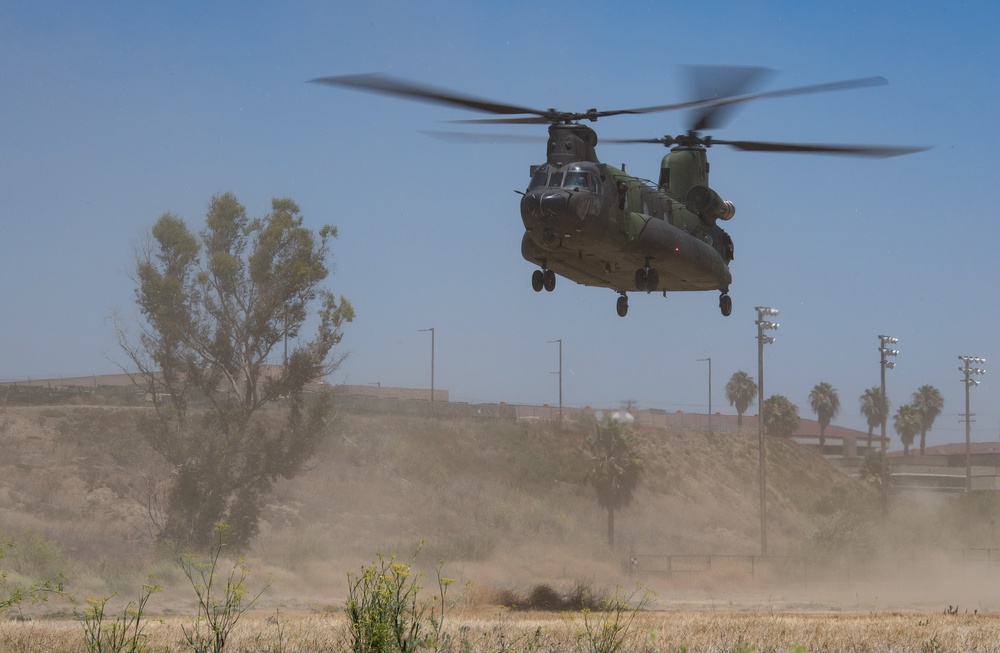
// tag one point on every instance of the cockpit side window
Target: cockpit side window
(583, 176)
(539, 178)
(577, 179)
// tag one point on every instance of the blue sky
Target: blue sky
(113, 113)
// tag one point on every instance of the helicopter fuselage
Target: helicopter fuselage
(598, 226)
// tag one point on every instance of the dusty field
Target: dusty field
(482, 630)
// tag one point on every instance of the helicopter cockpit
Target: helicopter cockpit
(576, 176)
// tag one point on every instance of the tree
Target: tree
(216, 307)
(907, 423)
(825, 402)
(781, 416)
(874, 405)
(741, 391)
(870, 469)
(929, 403)
(615, 468)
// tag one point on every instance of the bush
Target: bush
(384, 614)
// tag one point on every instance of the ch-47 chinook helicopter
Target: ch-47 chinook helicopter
(598, 226)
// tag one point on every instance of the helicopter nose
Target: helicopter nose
(541, 205)
(554, 202)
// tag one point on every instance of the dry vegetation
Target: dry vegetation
(482, 631)
(504, 506)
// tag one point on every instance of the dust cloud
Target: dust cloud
(505, 507)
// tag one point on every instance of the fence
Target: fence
(422, 407)
(980, 564)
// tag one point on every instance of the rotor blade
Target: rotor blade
(466, 137)
(873, 151)
(534, 120)
(376, 83)
(712, 117)
(710, 103)
(651, 141)
(718, 83)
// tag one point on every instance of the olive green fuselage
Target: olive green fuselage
(596, 225)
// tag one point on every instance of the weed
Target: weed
(384, 614)
(218, 613)
(932, 646)
(124, 634)
(605, 631)
(13, 594)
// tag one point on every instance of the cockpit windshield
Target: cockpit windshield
(580, 176)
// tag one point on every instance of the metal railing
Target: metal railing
(981, 563)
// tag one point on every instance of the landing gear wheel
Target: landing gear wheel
(537, 280)
(549, 280)
(622, 305)
(652, 280)
(640, 279)
(726, 305)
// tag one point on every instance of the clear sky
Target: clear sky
(113, 113)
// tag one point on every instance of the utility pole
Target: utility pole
(432, 360)
(884, 364)
(762, 326)
(969, 370)
(709, 359)
(560, 377)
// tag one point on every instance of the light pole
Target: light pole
(432, 360)
(709, 390)
(560, 376)
(968, 369)
(884, 364)
(762, 326)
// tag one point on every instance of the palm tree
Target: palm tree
(615, 468)
(825, 402)
(929, 403)
(873, 406)
(781, 416)
(741, 390)
(906, 421)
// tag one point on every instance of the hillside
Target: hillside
(504, 504)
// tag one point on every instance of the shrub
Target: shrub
(219, 606)
(124, 634)
(384, 614)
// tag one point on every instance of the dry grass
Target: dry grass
(505, 506)
(480, 630)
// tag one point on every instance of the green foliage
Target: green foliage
(615, 468)
(110, 432)
(124, 634)
(13, 594)
(907, 422)
(870, 469)
(929, 403)
(605, 630)
(845, 520)
(220, 603)
(30, 553)
(825, 402)
(781, 416)
(874, 408)
(741, 391)
(217, 307)
(384, 614)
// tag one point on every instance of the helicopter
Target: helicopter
(592, 223)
